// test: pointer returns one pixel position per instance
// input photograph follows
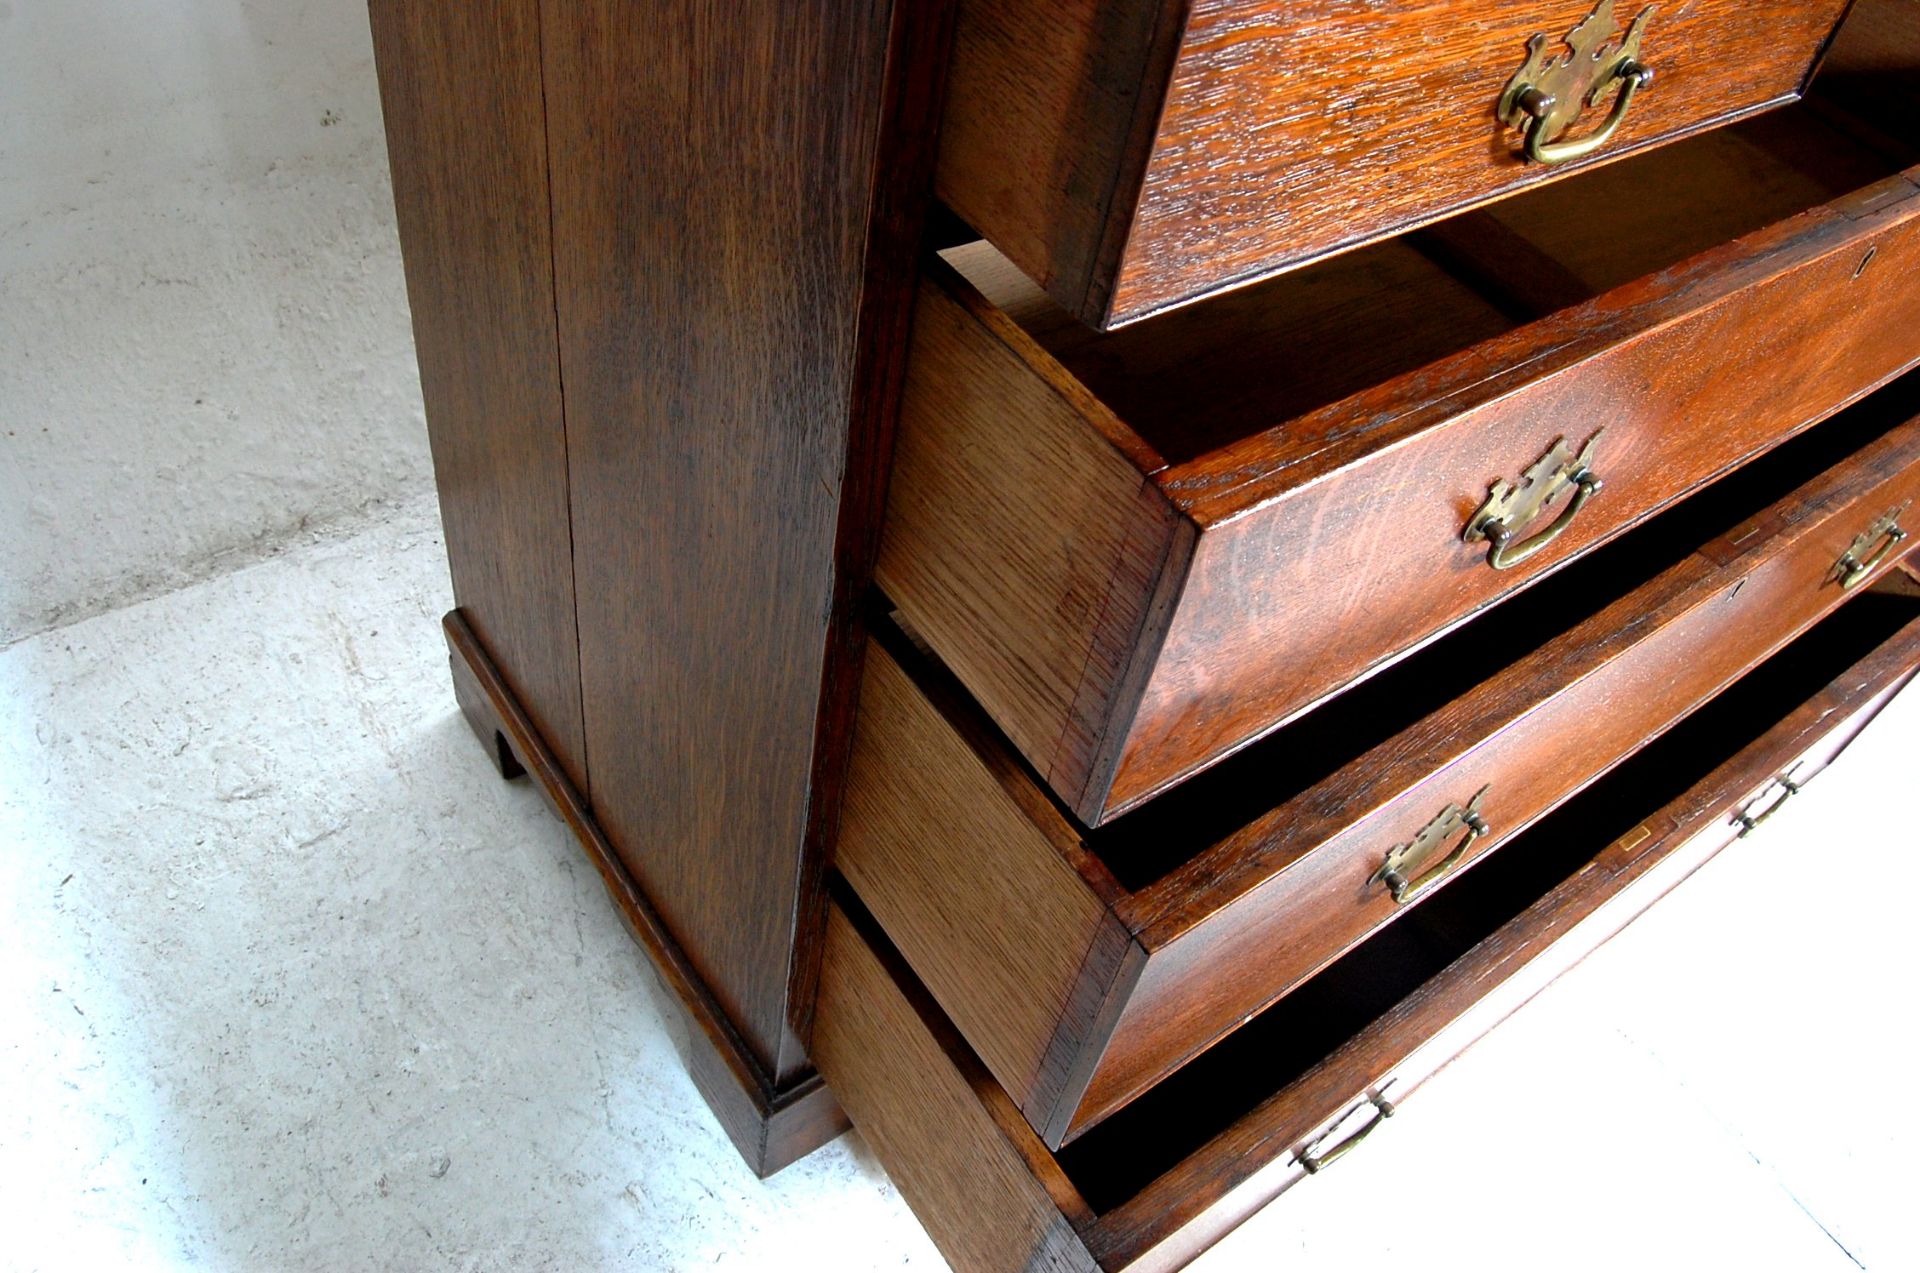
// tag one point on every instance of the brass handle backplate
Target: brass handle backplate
(1870, 547)
(1410, 869)
(1314, 1159)
(1511, 509)
(1549, 93)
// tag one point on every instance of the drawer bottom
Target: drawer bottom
(1163, 1180)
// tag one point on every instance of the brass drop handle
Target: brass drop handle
(1409, 870)
(1314, 1160)
(1510, 509)
(1856, 564)
(1552, 89)
(1631, 76)
(1506, 554)
(1750, 821)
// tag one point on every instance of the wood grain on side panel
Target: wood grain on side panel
(975, 883)
(472, 203)
(711, 193)
(897, 230)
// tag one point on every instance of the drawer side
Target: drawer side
(1022, 534)
(976, 885)
(976, 1181)
(993, 1198)
(1050, 112)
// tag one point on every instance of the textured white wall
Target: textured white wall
(204, 342)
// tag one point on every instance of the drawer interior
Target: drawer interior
(1121, 1156)
(1145, 845)
(1858, 124)
(1572, 240)
(1192, 381)
(1198, 379)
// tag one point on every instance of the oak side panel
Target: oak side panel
(460, 86)
(712, 170)
(771, 1128)
(899, 223)
(994, 919)
(1295, 129)
(1021, 537)
(979, 1183)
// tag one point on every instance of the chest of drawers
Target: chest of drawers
(1108, 583)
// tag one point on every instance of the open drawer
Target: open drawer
(1135, 154)
(1143, 550)
(1156, 1185)
(1084, 967)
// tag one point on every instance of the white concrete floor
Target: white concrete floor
(204, 338)
(290, 980)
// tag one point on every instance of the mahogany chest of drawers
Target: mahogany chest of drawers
(1110, 582)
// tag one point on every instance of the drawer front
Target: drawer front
(1257, 916)
(994, 1198)
(1131, 164)
(1129, 623)
(1084, 980)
